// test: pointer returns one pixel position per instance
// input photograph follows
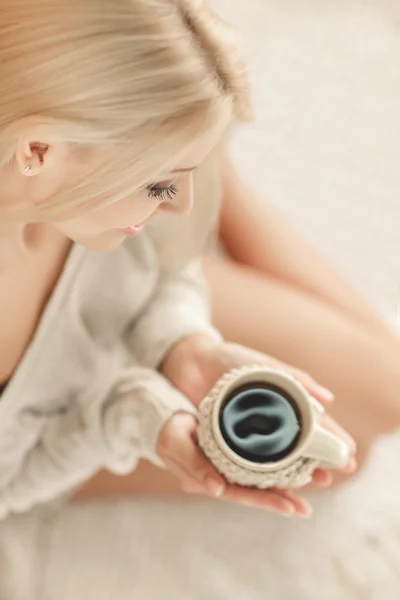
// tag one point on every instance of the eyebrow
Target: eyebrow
(183, 170)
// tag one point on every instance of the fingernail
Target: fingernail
(352, 466)
(304, 515)
(215, 488)
(327, 395)
(326, 483)
(288, 511)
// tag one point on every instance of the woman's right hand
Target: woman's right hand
(179, 450)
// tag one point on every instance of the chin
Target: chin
(105, 242)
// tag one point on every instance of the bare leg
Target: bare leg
(146, 480)
(278, 296)
(361, 366)
(256, 235)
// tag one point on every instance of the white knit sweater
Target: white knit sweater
(87, 394)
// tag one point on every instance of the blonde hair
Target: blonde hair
(150, 74)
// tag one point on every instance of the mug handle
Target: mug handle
(327, 448)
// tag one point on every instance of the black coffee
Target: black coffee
(260, 423)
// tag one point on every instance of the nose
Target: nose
(182, 203)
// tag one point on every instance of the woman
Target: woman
(273, 293)
(106, 111)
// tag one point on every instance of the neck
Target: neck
(21, 241)
(18, 240)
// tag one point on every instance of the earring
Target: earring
(28, 170)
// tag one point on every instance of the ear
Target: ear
(39, 149)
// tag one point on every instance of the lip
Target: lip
(132, 231)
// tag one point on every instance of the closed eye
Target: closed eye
(161, 192)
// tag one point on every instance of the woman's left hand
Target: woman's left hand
(195, 364)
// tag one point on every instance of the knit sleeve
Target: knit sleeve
(179, 308)
(111, 430)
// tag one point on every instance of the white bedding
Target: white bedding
(324, 149)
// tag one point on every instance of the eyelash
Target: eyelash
(162, 193)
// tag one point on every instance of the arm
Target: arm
(113, 425)
(257, 235)
(180, 306)
(180, 309)
(118, 422)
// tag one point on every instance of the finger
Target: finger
(188, 462)
(276, 500)
(322, 478)
(271, 500)
(197, 475)
(302, 506)
(282, 502)
(197, 480)
(316, 390)
(191, 487)
(351, 466)
(335, 428)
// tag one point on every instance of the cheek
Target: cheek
(107, 221)
(125, 213)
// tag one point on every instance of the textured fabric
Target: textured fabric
(324, 149)
(80, 400)
(181, 298)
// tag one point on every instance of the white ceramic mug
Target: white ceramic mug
(313, 446)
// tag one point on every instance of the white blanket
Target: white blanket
(325, 149)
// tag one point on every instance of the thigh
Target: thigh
(256, 310)
(146, 480)
(361, 367)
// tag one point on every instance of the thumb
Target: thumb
(179, 450)
(245, 355)
(316, 390)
